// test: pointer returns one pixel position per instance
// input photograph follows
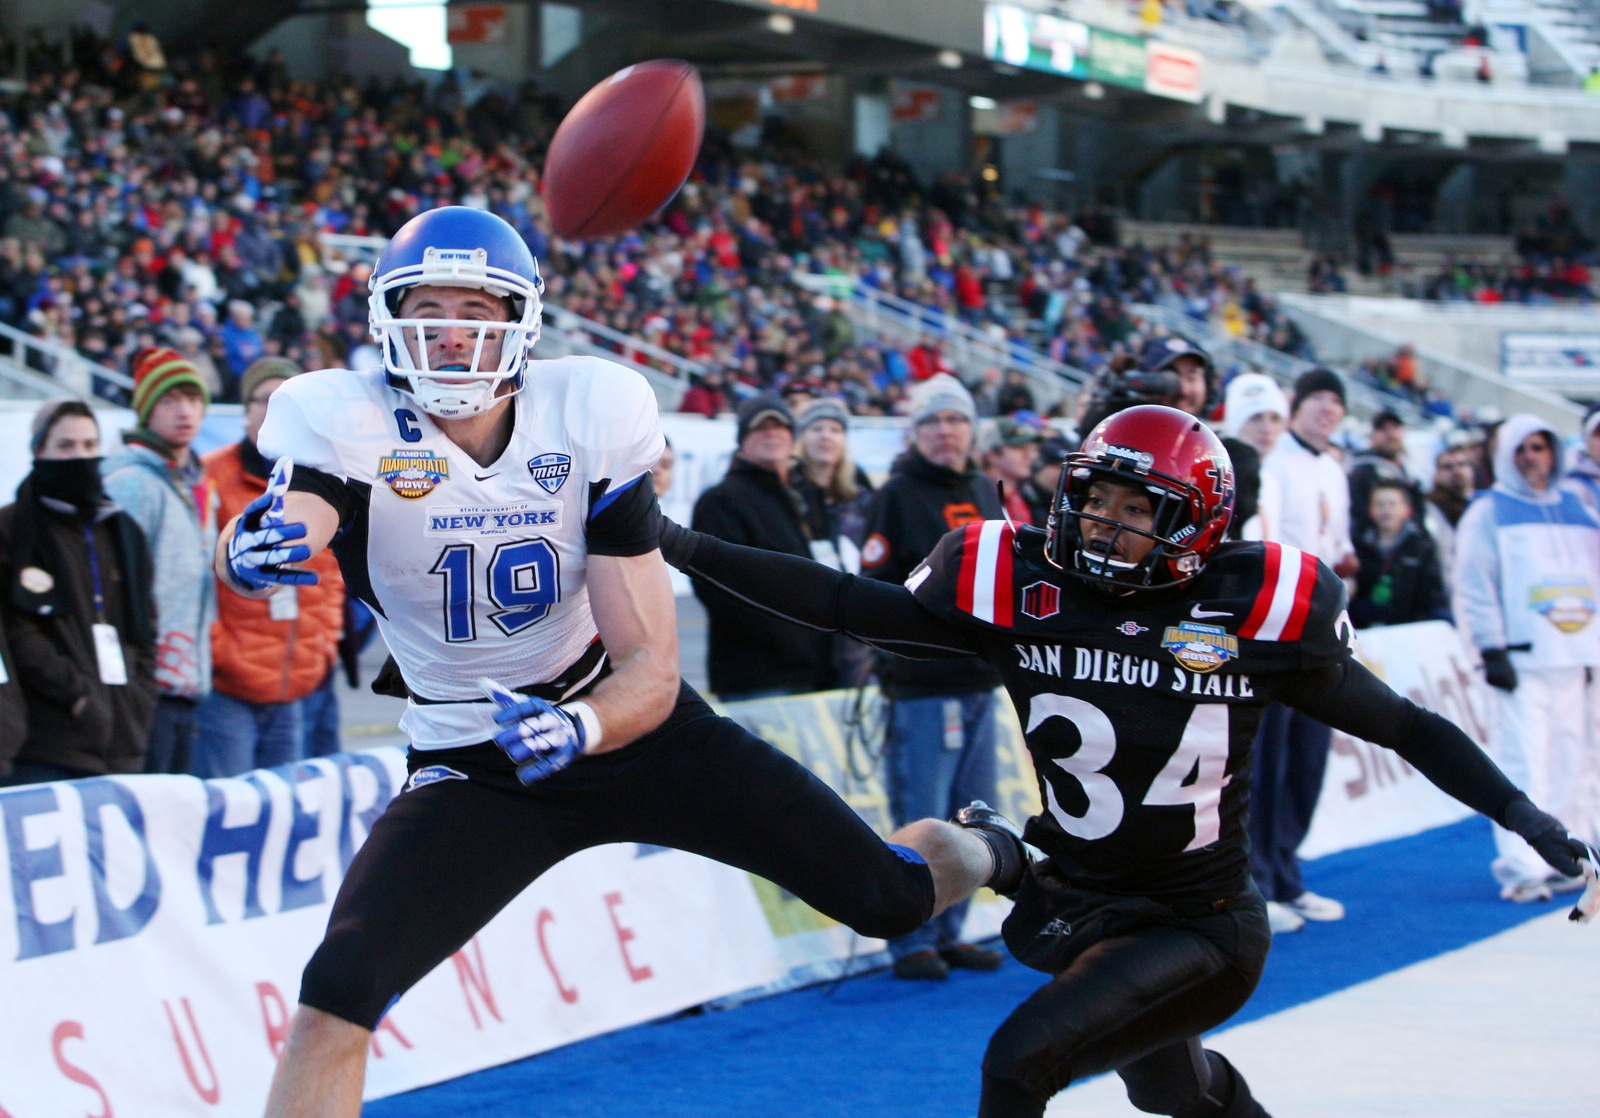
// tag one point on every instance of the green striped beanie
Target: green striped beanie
(156, 371)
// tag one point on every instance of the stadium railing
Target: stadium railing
(25, 358)
(891, 318)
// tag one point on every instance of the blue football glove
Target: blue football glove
(540, 738)
(256, 553)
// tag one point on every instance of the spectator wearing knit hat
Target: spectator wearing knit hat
(940, 753)
(1291, 752)
(1253, 418)
(749, 654)
(268, 655)
(158, 481)
(835, 493)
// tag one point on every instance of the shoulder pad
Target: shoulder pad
(970, 574)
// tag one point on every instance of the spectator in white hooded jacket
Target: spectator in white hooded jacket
(1527, 569)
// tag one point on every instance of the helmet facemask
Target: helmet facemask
(450, 392)
(1173, 501)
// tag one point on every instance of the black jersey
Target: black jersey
(1140, 710)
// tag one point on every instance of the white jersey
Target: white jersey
(475, 570)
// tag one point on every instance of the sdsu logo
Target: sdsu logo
(413, 473)
(1040, 600)
(1200, 648)
(550, 470)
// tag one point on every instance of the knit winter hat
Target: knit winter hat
(941, 392)
(825, 408)
(1250, 394)
(753, 411)
(263, 369)
(156, 371)
(1317, 380)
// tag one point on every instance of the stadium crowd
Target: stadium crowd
(186, 208)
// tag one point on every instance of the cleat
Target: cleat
(1011, 858)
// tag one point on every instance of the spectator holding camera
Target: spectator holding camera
(75, 592)
(1527, 564)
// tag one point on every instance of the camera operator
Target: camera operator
(1175, 372)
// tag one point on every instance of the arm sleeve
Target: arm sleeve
(1348, 697)
(617, 421)
(880, 614)
(1477, 593)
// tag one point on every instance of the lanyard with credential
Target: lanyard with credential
(94, 573)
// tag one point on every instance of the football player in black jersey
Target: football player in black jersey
(1139, 647)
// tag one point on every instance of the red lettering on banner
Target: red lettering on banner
(388, 1025)
(568, 995)
(624, 937)
(71, 1030)
(274, 1016)
(475, 980)
(214, 1092)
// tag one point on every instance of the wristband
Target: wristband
(583, 714)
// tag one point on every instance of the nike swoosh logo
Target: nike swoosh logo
(1198, 614)
(486, 477)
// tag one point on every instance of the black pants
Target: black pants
(1290, 760)
(1134, 1002)
(449, 853)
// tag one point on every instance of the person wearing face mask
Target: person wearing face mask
(75, 592)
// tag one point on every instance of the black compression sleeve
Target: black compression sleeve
(1350, 698)
(881, 614)
(622, 519)
(335, 490)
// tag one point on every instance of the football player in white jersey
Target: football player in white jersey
(497, 515)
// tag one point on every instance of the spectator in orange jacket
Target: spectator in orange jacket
(266, 655)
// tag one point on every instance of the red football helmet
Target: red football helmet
(1174, 457)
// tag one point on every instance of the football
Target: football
(624, 149)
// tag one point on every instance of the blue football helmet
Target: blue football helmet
(455, 246)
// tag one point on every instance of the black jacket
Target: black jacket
(13, 705)
(916, 507)
(747, 650)
(1400, 586)
(54, 652)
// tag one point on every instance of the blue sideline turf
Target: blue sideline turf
(877, 1048)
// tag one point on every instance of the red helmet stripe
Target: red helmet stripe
(1302, 598)
(1263, 603)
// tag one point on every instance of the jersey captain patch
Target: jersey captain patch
(413, 474)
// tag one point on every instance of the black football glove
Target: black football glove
(676, 542)
(1546, 834)
(1497, 670)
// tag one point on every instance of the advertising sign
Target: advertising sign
(1563, 358)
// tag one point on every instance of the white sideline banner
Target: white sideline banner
(155, 927)
(1369, 794)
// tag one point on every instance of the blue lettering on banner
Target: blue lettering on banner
(348, 762)
(117, 923)
(301, 892)
(34, 937)
(220, 841)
